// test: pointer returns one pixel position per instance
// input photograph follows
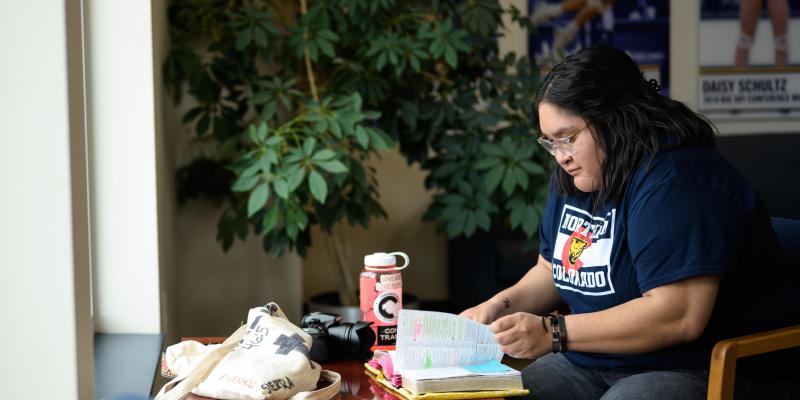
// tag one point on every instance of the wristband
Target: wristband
(562, 324)
(556, 339)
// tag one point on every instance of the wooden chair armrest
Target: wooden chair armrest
(723, 358)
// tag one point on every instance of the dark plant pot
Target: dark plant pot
(329, 302)
(484, 264)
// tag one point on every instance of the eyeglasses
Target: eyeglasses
(565, 144)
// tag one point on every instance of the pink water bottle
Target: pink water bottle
(381, 296)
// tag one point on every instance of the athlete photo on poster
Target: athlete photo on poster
(639, 27)
(749, 59)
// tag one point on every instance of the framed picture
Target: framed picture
(639, 27)
(749, 59)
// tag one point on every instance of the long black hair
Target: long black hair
(627, 116)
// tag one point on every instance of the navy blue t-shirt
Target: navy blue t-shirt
(685, 213)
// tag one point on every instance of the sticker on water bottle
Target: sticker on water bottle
(386, 307)
(387, 335)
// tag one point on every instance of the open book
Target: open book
(440, 352)
(490, 375)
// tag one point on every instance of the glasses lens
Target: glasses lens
(567, 149)
(552, 147)
(548, 145)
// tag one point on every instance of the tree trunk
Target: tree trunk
(346, 289)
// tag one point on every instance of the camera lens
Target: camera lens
(335, 340)
(354, 340)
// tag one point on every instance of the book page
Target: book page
(428, 339)
(488, 369)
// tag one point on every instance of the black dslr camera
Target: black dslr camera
(336, 340)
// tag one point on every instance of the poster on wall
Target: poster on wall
(749, 59)
(639, 27)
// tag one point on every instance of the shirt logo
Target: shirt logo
(582, 252)
(574, 246)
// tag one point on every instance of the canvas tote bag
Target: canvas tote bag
(267, 358)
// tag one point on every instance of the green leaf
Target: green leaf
(532, 168)
(292, 230)
(261, 97)
(244, 39)
(251, 170)
(488, 162)
(492, 179)
(264, 163)
(530, 221)
(318, 186)
(446, 170)
(509, 181)
(260, 37)
(269, 110)
(281, 188)
(262, 132)
(328, 34)
(491, 149)
(321, 126)
(362, 137)
(451, 58)
(335, 128)
(270, 218)
(521, 177)
(356, 97)
(483, 220)
(437, 48)
(378, 140)
(469, 224)
(257, 199)
(308, 146)
(253, 134)
(313, 51)
(335, 166)
(459, 45)
(414, 61)
(274, 140)
(296, 178)
(324, 155)
(516, 215)
(453, 199)
(245, 183)
(456, 225)
(272, 158)
(380, 62)
(313, 116)
(326, 48)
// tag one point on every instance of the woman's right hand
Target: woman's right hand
(484, 313)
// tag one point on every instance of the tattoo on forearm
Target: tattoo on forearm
(507, 302)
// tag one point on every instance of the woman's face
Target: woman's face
(584, 164)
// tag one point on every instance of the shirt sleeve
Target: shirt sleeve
(678, 230)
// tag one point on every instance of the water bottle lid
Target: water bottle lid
(381, 259)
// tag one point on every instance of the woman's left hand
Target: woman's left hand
(521, 335)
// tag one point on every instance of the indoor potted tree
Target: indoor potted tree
(293, 98)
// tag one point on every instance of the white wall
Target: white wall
(46, 335)
(122, 153)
